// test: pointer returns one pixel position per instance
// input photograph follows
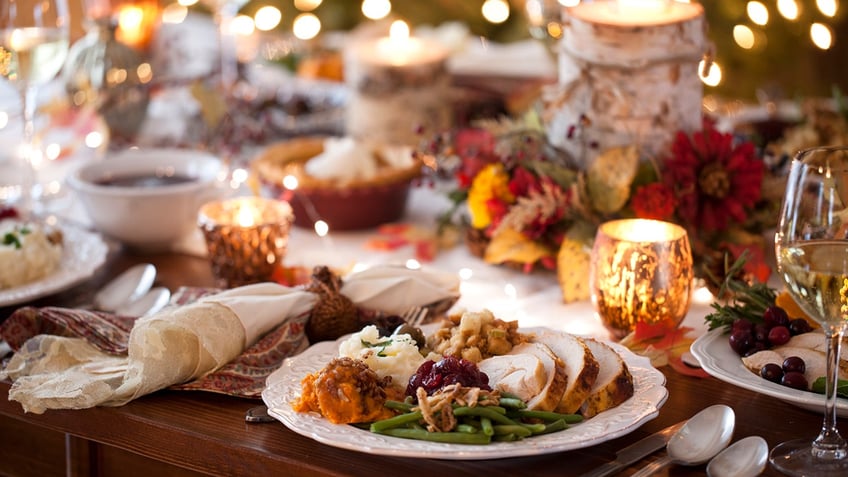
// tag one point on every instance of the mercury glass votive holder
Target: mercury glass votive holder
(640, 272)
(246, 238)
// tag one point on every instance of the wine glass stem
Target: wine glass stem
(829, 445)
(229, 62)
(29, 194)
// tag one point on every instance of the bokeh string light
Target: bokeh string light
(753, 32)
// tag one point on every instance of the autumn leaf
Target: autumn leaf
(512, 246)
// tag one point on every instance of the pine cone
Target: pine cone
(334, 314)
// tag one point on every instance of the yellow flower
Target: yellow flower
(491, 183)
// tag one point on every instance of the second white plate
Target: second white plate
(717, 358)
(83, 254)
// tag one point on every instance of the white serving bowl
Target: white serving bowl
(151, 218)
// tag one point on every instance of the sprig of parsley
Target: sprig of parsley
(12, 238)
(748, 300)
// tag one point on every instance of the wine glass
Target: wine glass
(33, 46)
(225, 11)
(812, 258)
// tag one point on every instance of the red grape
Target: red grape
(761, 332)
(794, 364)
(772, 372)
(775, 316)
(742, 324)
(779, 335)
(799, 326)
(740, 341)
(794, 380)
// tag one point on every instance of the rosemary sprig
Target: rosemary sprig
(748, 300)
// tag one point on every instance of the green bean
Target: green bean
(472, 421)
(555, 426)
(449, 437)
(506, 438)
(483, 411)
(512, 403)
(517, 429)
(466, 428)
(486, 426)
(397, 421)
(549, 416)
(401, 406)
(535, 428)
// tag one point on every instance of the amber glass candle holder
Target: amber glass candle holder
(246, 238)
(640, 272)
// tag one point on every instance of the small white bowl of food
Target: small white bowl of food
(147, 198)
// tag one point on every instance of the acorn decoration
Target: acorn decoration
(334, 314)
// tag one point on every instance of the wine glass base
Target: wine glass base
(796, 458)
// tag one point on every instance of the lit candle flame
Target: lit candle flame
(245, 216)
(399, 31)
(129, 23)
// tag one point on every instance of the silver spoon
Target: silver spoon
(745, 458)
(149, 303)
(699, 440)
(127, 287)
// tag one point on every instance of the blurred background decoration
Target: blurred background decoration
(763, 48)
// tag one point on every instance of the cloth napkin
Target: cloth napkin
(395, 289)
(177, 345)
(224, 342)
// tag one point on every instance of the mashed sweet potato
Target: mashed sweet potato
(346, 391)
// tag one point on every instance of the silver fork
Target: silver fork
(415, 316)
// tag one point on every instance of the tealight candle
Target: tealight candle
(628, 75)
(399, 86)
(246, 238)
(136, 22)
(640, 272)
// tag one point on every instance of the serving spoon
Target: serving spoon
(744, 458)
(699, 440)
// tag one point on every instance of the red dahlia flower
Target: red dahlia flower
(715, 181)
(654, 201)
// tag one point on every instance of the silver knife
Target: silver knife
(636, 451)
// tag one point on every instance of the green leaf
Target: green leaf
(841, 387)
(11, 238)
(749, 300)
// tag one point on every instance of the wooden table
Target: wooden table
(171, 433)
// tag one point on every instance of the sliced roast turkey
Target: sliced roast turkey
(614, 383)
(519, 373)
(581, 367)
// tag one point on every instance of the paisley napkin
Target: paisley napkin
(176, 345)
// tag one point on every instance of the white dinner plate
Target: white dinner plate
(713, 351)
(83, 253)
(283, 388)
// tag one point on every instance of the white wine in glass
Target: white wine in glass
(33, 46)
(812, 258)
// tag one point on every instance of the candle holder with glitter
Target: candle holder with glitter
(640, 272)
(246, 238)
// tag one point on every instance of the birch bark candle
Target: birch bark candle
(399, 87)
(628, 75)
